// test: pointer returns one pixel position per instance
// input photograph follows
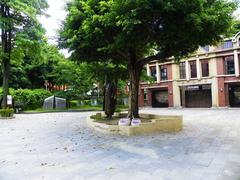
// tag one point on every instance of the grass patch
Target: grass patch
(83, 107)
(98, 117)
(104, 119)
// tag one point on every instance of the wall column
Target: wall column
(158, 72)
(148, 70)
(141, 98)
(149, 94)
(176, 95)
(198, 69)
(187, 70)
(221, 93)
(170, 95)
(183, 95)
(236, 63)
(215, 92)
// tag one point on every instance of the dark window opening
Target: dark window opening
(182, 69)
(229, 65)
(163, 70)
(227, 44)
(206, 48)
(205, 68)
(153, 72)
(193, 69)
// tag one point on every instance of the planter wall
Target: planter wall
(157, 124)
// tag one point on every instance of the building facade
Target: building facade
(208, 78)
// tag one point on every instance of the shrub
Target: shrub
(27, 98)
(74, 103)
(87, 102)
(8, 112)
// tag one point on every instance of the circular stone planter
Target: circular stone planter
(154, 124)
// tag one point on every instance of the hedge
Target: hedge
(74, 104)
(28, 99)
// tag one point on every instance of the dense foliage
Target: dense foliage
(235, 28)
(136, 32)
(27, 98)
(5, 113)
(21, 34)
(28, 72)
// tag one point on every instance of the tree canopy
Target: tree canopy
(106, 29)
(21, 34)
(128, 31)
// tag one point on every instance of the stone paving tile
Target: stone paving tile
(61, 146)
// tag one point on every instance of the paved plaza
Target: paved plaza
(60, 146)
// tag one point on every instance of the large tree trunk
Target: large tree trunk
(6, 74)
(6, 37)
(134, 69)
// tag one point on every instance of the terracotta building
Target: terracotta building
(207, 78)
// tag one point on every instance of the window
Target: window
(193, 69)
(229, 65)
(205, 68)
(182, 69)
(227, 44)
(153, 72)
(163, 71)
(206, 48)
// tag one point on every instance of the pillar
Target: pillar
(149, 94)
(148, 70)
(215, 92)
(170, 94)
(198, 69)
(221, 93)
(176, 95)
(158, 72)
(236, 63)
(183, 95)
(141, 98)
(187, 70)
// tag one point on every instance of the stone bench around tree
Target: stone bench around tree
(156, 123)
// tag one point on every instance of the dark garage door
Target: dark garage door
(234, 96)
(159, 98)
(199, 96)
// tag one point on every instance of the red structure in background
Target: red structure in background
(51, 87)
(208, 78)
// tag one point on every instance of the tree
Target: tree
(69, 73)
(128, 31)
(235, 28)
(98, 71)
(31, 69)
(19, 27)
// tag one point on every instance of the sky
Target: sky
(52, 23)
